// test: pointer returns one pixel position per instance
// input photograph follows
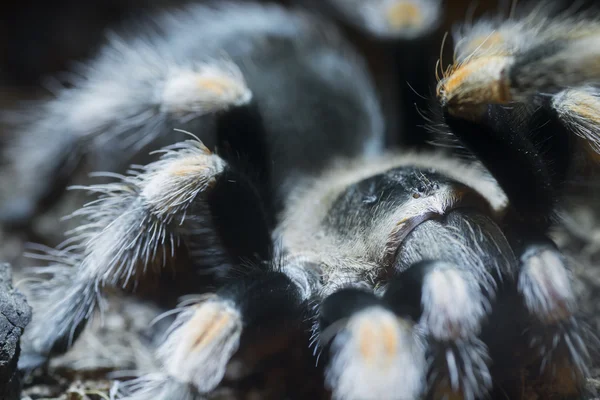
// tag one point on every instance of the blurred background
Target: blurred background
(40, 38)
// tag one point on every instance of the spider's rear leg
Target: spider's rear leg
(450, 304)
(207, 333)
(531, 151)
(558, 339)
(89, 123)
(138, 226)
(372, 352)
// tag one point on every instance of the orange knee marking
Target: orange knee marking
(215, 324)
(378, 341)
(189, 167)
(368, 338)
(404, 14)
(458, 79)
(218, 85)
(484, 43)
(586, 106)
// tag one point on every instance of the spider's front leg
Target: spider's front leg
(452, 269)
(421, 338)
(525, 58)
(560, 342)
(267, 298)
(521, 96)
(371, 351)
(450, 304)
(188, 199)
(522, 107)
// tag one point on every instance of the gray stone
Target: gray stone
(15, 314)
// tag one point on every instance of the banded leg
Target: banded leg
(88, 121)
(206, 334)
(137, 227)
(495, 65)
(450, 304)
(557, 338)
(372, 352)
(525, 108)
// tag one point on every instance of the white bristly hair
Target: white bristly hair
(376, 355)
(201, 342)
(133, 228)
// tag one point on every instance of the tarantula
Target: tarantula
(420, 274)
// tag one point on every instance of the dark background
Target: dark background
(40, 38)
